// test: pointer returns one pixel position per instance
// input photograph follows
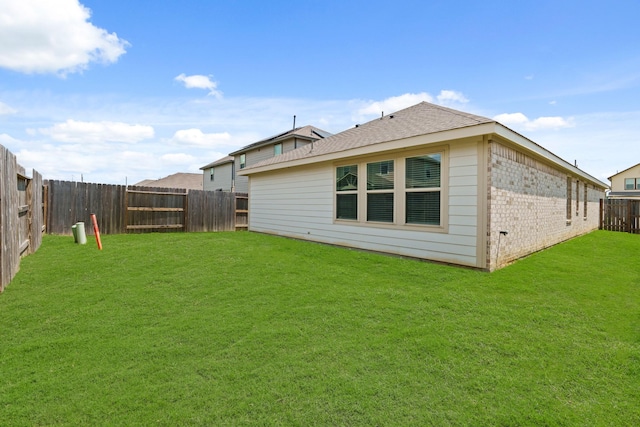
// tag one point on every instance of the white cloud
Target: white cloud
(53, 36)
(395, 103)
(8, 140)
(198, 81)
(5, 109)
(96, 132)
(177, 159)
(195, 137)
(447, 97)
(520, 121)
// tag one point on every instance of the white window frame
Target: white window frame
(275, 149)
(243, 161)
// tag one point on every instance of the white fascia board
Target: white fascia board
(540, 151)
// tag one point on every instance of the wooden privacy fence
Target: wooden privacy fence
(135, 209)
(21, 215)
(620, 215)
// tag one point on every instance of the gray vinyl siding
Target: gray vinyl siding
(299, 202)
(259, 154)
(222, 178)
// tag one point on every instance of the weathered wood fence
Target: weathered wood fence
(21, 215)
(121, 209)
(620, 215)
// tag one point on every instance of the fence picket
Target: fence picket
(620, 215)
(120, 209)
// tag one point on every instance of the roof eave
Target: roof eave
(418, 140)
(271, 141)
(540, 151)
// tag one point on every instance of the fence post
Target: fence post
(601, 214)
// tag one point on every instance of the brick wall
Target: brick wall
(528, 199)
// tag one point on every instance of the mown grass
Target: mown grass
(248, 329)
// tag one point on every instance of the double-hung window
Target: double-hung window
(277, 149)
(380, 189)
(211, 174)
(347, 192)
(632, 184)
(243, 161)
(422, 187)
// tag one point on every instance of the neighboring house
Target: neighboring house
(189, 181)
(221, 174)
(272, 147)
(426, 182)
(218, 175)
(626, 184)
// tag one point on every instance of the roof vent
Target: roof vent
(357, 125)
(391, 116)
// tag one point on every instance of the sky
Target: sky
(119, 91)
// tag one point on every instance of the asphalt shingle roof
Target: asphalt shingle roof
(222, 161)
(421, 119)
(308, 132)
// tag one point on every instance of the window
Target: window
(243, 161)
(422, 183)
(211, 174)
(277, 149)
(403, 191)
(569, 189)
(577, 197)
(585, 200)
(380, 179)
(347, 192)
(632, 184)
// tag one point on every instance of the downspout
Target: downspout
(233, 175)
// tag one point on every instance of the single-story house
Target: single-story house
(427, 182)
(626, 184)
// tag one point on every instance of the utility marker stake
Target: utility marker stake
(96, 230)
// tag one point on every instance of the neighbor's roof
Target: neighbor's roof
(629, 168)
(189, 181)
(421, 119)
(222, 161)
(624, 194)
(308, 132)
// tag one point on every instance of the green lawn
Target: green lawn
(248, 329)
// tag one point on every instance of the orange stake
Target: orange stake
(96, 230)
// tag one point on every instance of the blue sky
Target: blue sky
(116, 91)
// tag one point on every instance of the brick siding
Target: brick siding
(528, 200)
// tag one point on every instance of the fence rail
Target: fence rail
(136, 209)
(21, 215)
(620, 215)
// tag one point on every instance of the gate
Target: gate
(620, 215)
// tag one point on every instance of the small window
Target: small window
(277, 149)
(243, 161)
(586, 193)
(211, 174)
(569, 190)
(577, 197)
(629, 183)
